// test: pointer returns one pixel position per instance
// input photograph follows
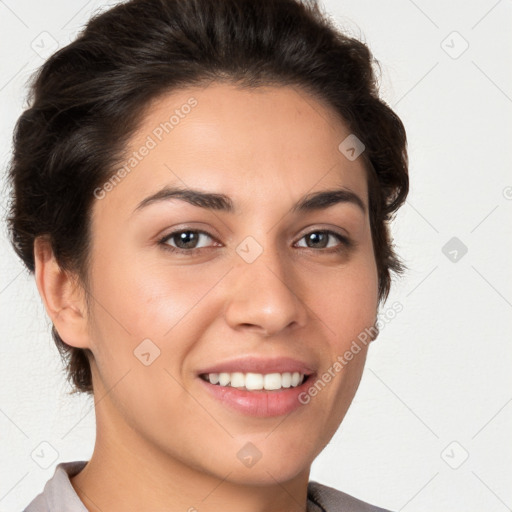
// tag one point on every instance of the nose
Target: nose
(264, 296)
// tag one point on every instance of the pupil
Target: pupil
(186, 235)
(317, 236)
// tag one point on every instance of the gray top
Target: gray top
(58, 495)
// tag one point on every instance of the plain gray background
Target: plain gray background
(430, 426)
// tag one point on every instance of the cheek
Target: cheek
(347, 301)
(137, 299)
(145, 300)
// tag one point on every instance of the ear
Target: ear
(63, 298)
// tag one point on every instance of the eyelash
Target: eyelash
(345, 245)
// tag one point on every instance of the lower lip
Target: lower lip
(259, 403)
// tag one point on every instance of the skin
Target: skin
(157, 429)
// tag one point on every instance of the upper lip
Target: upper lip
(250, 364)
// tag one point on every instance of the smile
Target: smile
(256, 381)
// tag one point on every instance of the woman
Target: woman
(203, 190)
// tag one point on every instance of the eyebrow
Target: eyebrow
(221, 202)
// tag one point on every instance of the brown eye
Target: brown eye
(184, 241)
(320, 240)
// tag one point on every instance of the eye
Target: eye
(320, 240)
(185, 240)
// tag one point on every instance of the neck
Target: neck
(129, 473)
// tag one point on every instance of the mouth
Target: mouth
(256, 381)
(258, 387)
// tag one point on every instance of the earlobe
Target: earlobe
(63, 299)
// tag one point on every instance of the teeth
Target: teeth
(295, 379)
(224, 379)
(272, 381)
(251, 381)
(256, 381)
(237, 380)
(286, 380)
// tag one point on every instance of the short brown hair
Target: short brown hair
(88, 98)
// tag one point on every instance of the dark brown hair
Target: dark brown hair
(89, 97)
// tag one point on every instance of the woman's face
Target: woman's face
(254, 282)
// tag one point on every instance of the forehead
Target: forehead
(260, 144)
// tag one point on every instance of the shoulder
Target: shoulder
(329, 499)
(58, 493)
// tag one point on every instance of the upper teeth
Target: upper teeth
(254, 381)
